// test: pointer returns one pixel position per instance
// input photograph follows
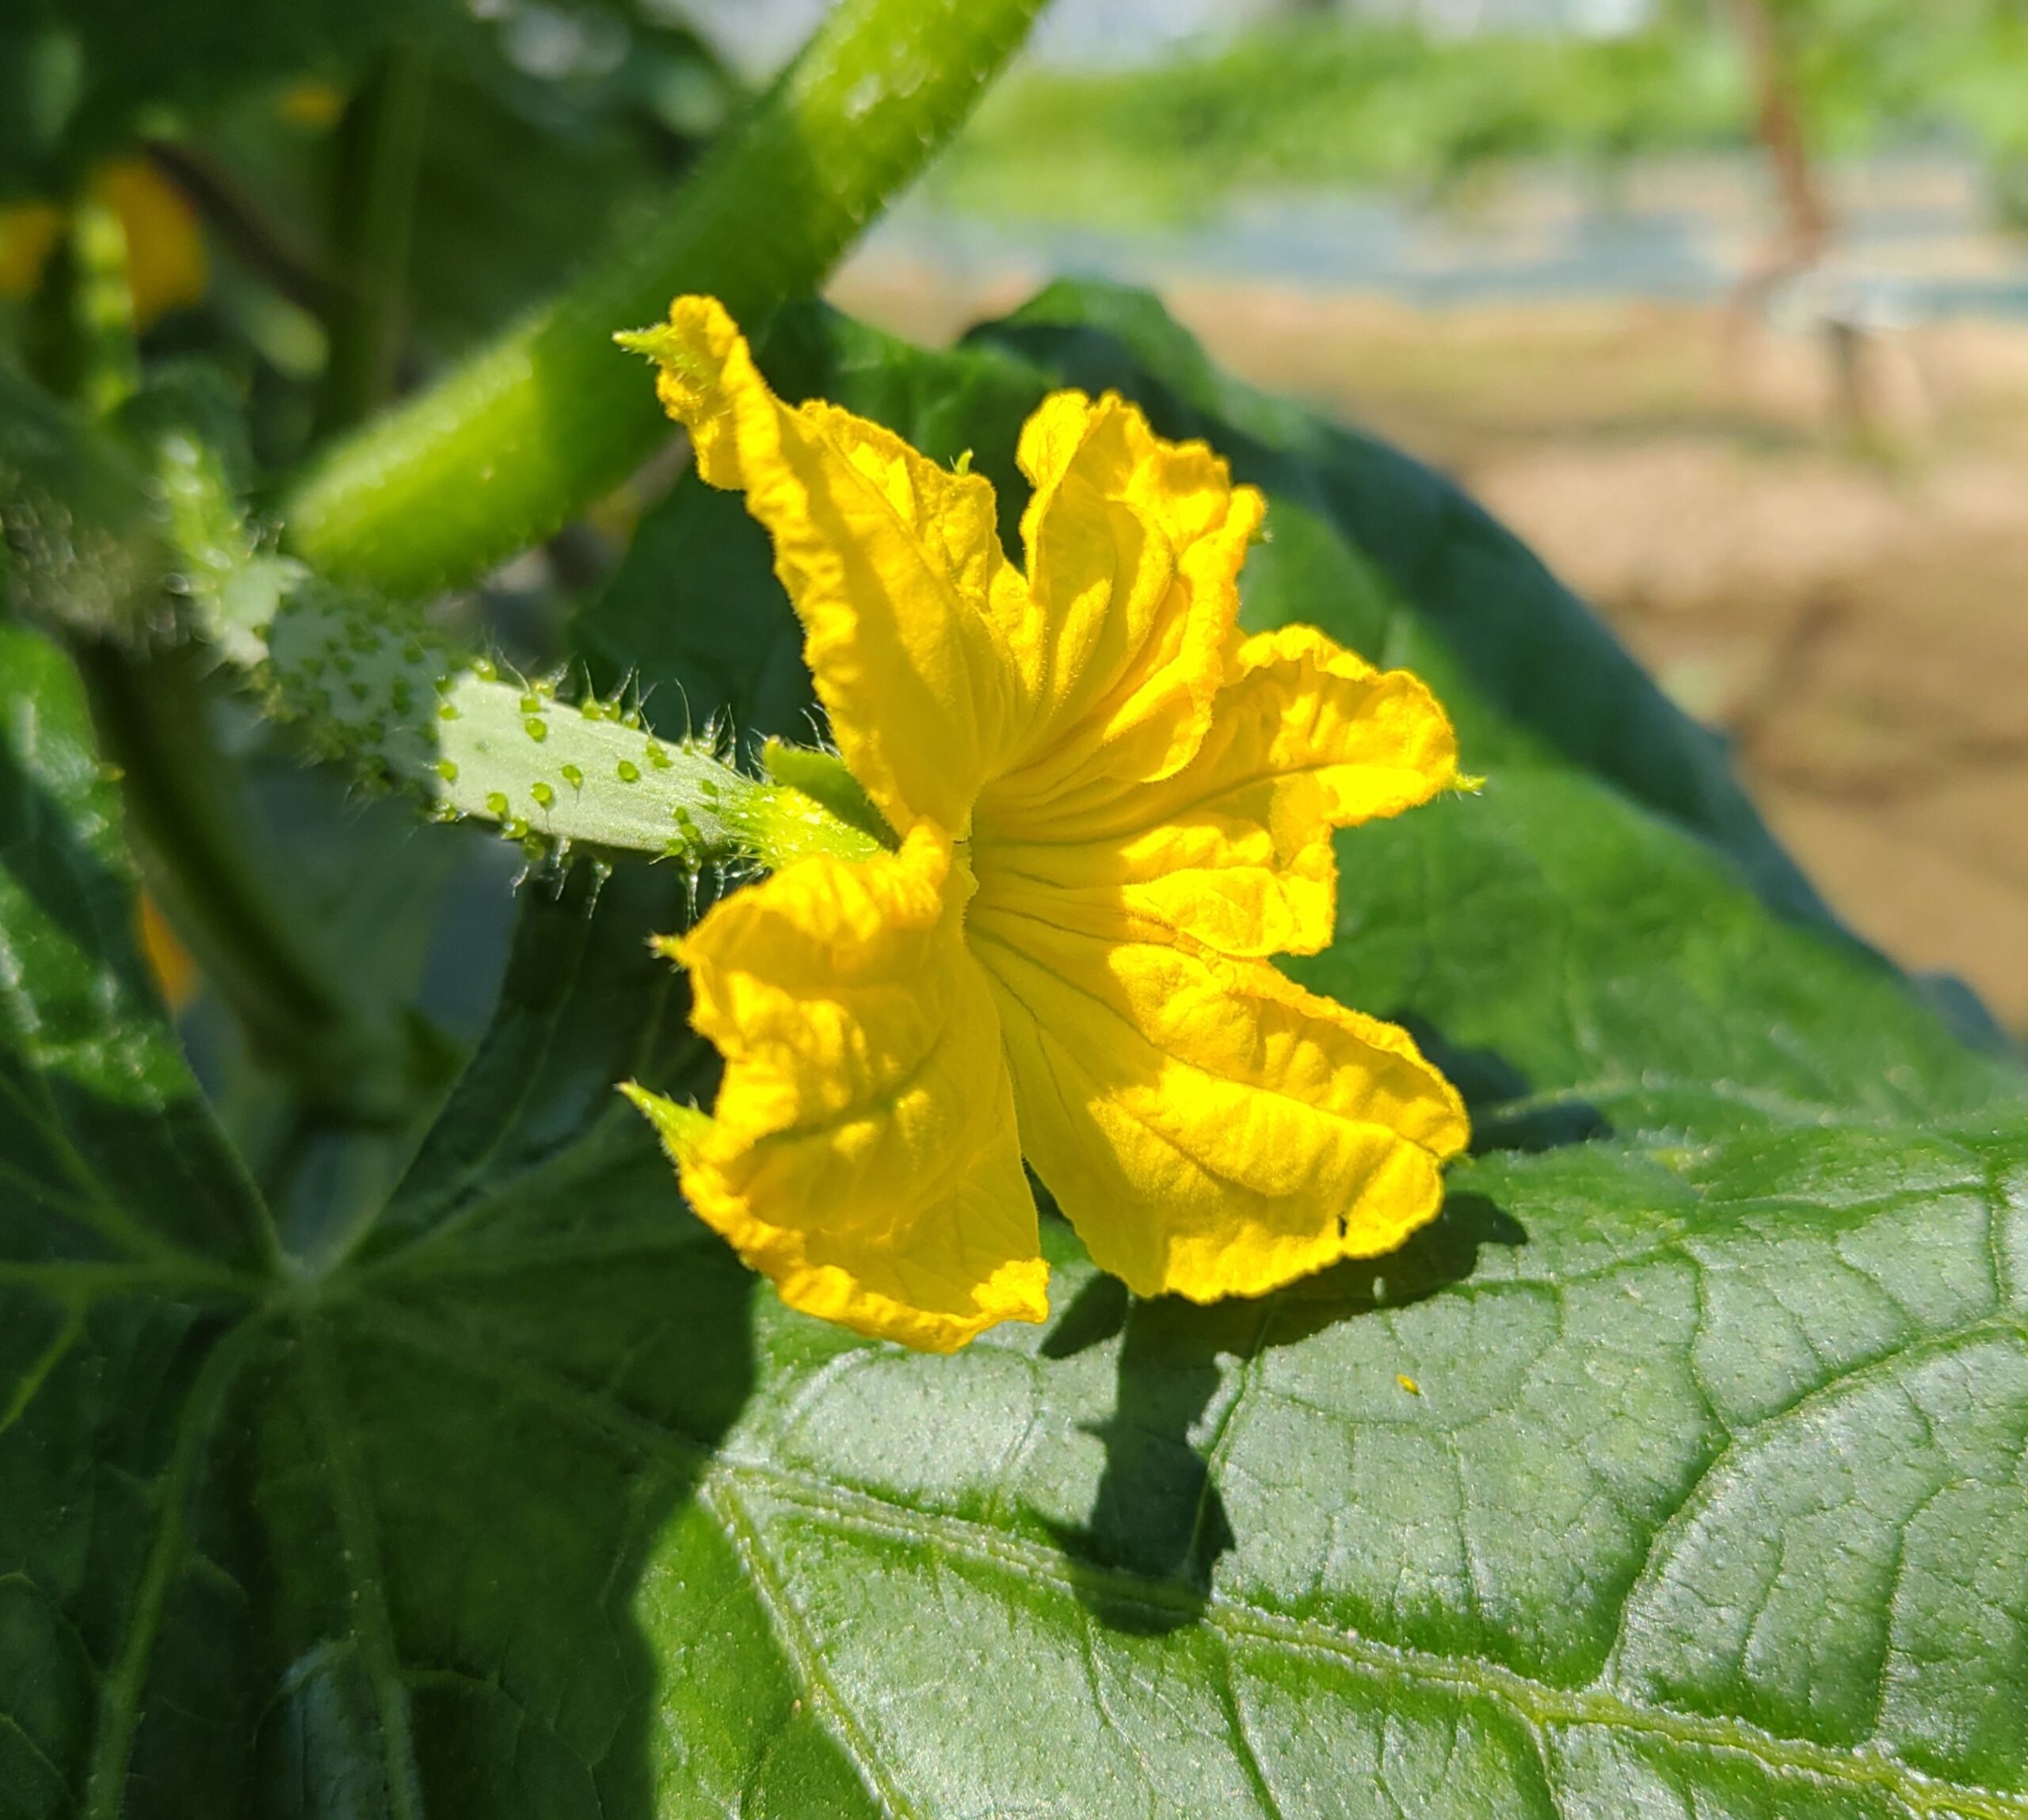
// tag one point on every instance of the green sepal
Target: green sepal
(823, 776)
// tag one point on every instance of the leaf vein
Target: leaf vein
(805, 1660)
(370, 1623)
(119, 1713)
(1537, 1704)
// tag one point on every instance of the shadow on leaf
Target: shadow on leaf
(1498, 1096)
(474, 1451)
(1157, 1517)
(1143, 1560)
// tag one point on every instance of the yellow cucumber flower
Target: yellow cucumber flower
(1111, 807)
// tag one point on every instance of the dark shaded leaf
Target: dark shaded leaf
(78, 79)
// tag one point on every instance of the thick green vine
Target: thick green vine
(509, 446)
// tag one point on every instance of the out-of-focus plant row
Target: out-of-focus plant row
(1308, 103)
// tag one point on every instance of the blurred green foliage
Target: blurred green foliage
(535, 127)
(1874, 73)
(82, 79)
(1316, 103)
(1311, 103)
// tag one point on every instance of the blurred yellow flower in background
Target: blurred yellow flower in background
(1111, 808)
(313, 105)
(167, 265)
(28, 233)
(168, 960)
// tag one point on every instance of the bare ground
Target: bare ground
(1847, 596)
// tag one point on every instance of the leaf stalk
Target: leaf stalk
(189, 834)
(379, 154)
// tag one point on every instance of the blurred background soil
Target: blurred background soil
(1846, 596)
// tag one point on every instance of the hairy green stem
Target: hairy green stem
(371, 688)
(406, 711)
(189, 834)
(506, 448)
(104, 310)
(378, 152)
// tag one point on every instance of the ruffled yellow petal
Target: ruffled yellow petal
(862, 1152)
(1234, 851)
(893, 565)
(1210, 1128)
(1134, 546)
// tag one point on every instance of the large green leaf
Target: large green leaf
(1704, 1494)
(207, 1606)
(131, 1241)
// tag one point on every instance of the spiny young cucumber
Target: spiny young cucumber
(369, 689)
(372, 688)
